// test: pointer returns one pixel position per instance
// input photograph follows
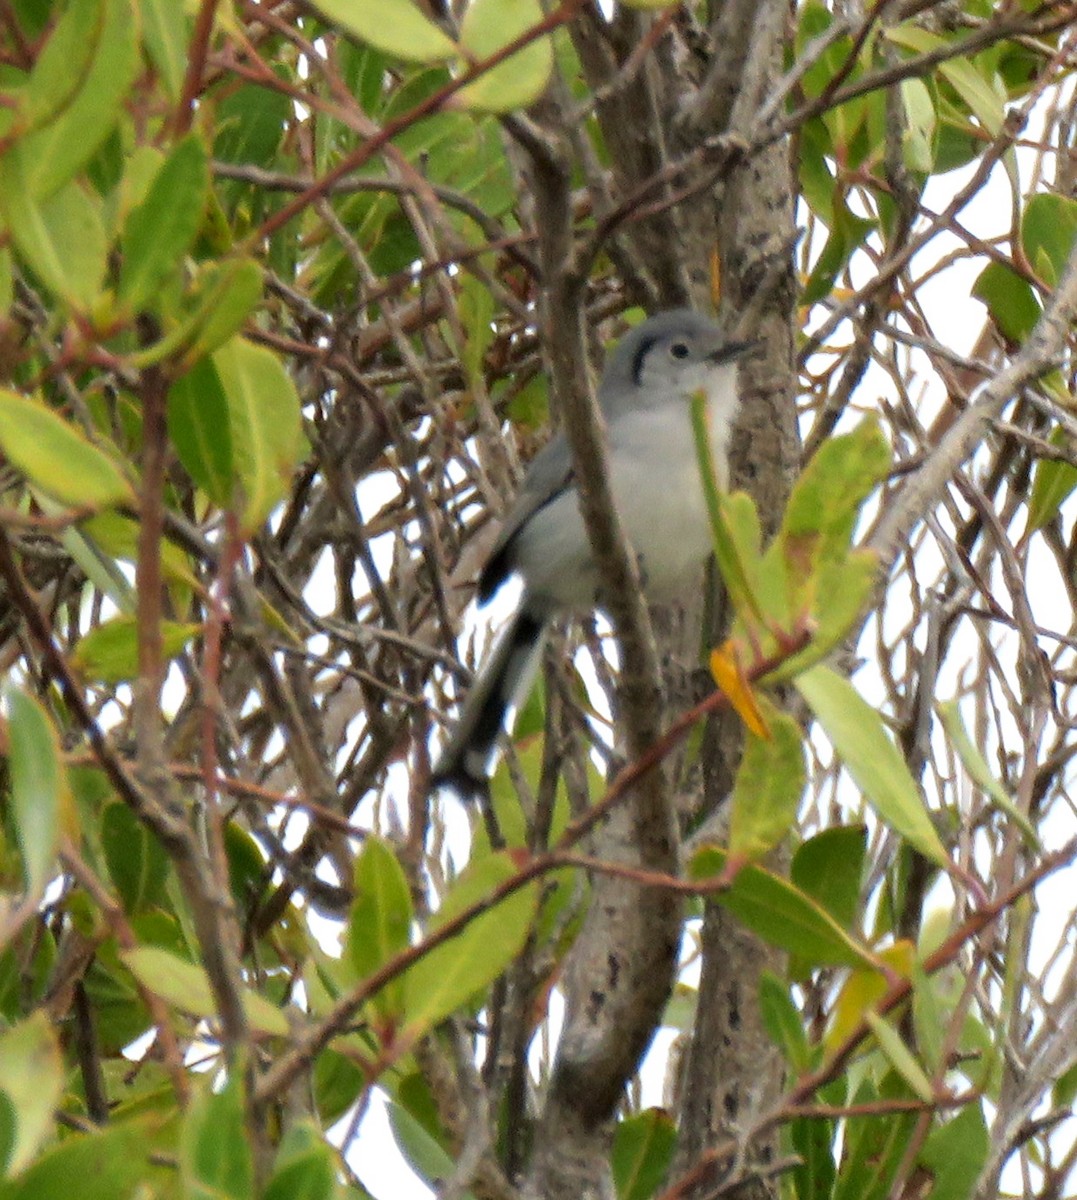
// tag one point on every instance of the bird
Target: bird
(644, 397)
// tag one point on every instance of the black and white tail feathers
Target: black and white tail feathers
(501, 684)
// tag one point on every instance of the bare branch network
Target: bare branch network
(290, 295)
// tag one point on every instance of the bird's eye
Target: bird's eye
(679, 350)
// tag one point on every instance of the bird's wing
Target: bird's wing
(548, 476)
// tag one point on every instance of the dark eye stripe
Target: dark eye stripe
(642, 350)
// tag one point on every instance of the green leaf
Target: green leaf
(839, 593)
(7, 281)
(769, 786)
(1010, 300)
(215, 1156)
(306, 1167)
(450, 974)
(265, 424)
(187, 987)
(40, 791)
(955, 1154)
(782, 1021)
(165, 35)
(829, 867)
(872, 1148)
(643, 1145)
(475, 310)
(9, 1127)
(49, 157)
(61, 237)
(395, 26)
(335, 1083)
(109, 653)
(856, 732)
(847, 232)
(116, 535)
(488, 25)
(61, 66)
(735, 528)
(1048, 228)
(379, 925)
(250, 124)
(985, 100)
(979, 772)
(812, 1140)
(199, 428)
(107, 1165)
(781, 914)
(423, 1152)
(821, 514)
(1064, 1088)
(137, 862)
(918, 136)
(160, 231)
(32, 1077)
(980, 94)
(224, 297)
(900, 1056)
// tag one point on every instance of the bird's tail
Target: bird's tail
(501, 683)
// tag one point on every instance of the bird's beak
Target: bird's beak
(729, 351)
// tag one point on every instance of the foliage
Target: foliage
(272, 279)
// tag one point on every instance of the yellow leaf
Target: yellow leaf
(729, 676)
(863, 989)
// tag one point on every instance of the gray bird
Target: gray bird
(644, 396)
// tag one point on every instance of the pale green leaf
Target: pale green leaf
(979, 772)
(61, 66)
(187, 986)
(52, 155)
(458, 969)
(165, 34)
(61, 237)
(856, 732)
(379, 924)
(108, 653)
(487, 27)
(980, 94)
(769, 785)
(918, 135)
(900, 1056)
(983, 98)
(32, 1076)
(265, 424)
(39, 787)
(55, 457)
(422, 1151)
(396, 27)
